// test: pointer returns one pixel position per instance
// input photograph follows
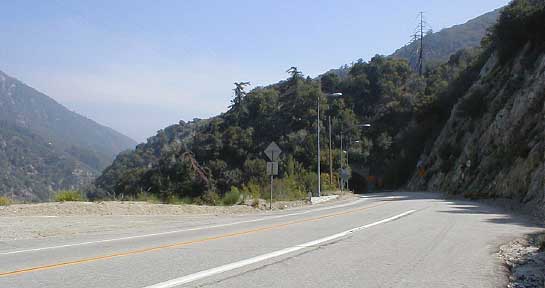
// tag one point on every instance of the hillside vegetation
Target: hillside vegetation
(31, 168)
(45, 147)
(484, 105)
(226, 152)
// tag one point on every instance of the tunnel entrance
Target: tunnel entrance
(358, 183)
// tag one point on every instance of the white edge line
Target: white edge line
(239, 264)
(181, 231)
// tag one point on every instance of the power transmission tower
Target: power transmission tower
(421, 53)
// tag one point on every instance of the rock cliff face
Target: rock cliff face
(493, 145)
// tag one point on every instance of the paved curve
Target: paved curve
(383, 240)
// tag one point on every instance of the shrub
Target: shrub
(232, 197)
(251, 190)
(68, 195)
(328, 185)
(287, 189)
(5, 201)
(308, 181)
(209, 197)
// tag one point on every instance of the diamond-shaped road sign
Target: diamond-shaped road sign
(273, 151)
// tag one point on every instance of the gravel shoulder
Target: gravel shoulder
(126, 208)
(71, 219)
(115, 208)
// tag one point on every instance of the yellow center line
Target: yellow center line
(180, 244)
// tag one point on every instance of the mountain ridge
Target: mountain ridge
(439, 46)
(59, 109)
(83, 146)
(447, 38)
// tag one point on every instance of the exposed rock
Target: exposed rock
(499, 150)
(525, 261)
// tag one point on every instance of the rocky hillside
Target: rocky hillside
(493, 144)
(45, 147)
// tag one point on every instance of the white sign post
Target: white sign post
(273, 152)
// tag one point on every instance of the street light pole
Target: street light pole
(341, 182)
(330, 158)
(318, 140)
(342, 151)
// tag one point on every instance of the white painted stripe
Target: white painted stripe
(182, 230)
(235, 265)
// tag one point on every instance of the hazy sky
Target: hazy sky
(138, 66)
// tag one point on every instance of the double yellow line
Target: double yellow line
(181, 244)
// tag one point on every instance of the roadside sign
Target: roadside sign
(344, 174)
(273, 152)
(272, 168)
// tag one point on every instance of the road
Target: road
(379, 240)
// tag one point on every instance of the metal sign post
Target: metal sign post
(273, 152)
(344, 177)
(272, 169)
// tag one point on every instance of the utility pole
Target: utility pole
(421, 56)
(318, 137)
(341, 157)
(417, 41)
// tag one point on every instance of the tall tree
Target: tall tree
(239, 92)
(295, 73)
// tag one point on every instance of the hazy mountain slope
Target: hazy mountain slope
(45, 147)
(439, 46)
(35, 111)
(30, 168)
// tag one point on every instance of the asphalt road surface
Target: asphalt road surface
(379, 240)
